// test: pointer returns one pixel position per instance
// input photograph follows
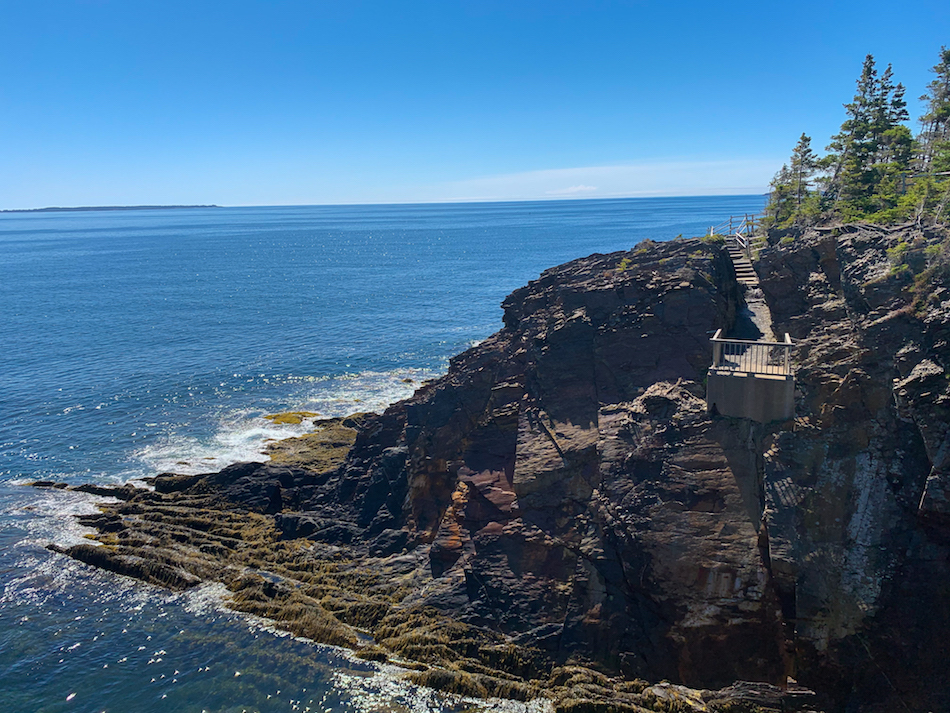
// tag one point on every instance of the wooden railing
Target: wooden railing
(748, 357)
(745, 224)
(739, 231)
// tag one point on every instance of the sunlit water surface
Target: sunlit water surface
(139, 342)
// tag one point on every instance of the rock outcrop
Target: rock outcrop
(568, 486)
(856, 493)
(561, 498)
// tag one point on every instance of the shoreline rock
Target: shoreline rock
(559, 516)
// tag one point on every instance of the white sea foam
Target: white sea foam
(365, 391)
(52, 515)
(383, 686)
(239, 437)
(242, 434)
(386, 688)
(206, 599)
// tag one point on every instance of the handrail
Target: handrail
(736, 224)
(751, 357)
(739, 230)
(717, 338)
(741, 242)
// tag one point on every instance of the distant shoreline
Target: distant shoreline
(103, 207)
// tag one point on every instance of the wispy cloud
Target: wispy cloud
(659, 178)
(572, 191)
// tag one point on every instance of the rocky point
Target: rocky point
(559, 515)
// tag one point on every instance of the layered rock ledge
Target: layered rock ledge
(558, 515)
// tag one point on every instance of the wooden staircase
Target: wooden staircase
(751, 375)
(742, 244)
(745, 273)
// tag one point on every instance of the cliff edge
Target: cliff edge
(559, 513)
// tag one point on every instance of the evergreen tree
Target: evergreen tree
(930, 193)
(790, 186)
(803, 165)
(869, 169)
(781, 206)
(854, 147)
(899, 111)
(871, 154)
(934, 138)
(895, 142)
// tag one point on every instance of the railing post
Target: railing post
(717, 348)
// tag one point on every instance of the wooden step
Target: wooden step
(745, 273)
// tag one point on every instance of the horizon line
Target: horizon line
(447, 201)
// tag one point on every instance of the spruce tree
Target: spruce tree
(781, 206)
(803, 165)
(869, 171)
(854, 147)
(872, 152)
(930, 194)
(934, 137)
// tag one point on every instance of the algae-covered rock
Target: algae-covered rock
(324, 448)
(290, 418)
(559, 514)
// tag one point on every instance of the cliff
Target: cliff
(559, 514)
(856, 493)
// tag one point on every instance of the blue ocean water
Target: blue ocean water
(134, 342)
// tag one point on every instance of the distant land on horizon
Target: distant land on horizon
(59, 209)
(56, 209)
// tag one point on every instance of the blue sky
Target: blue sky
(121, 102)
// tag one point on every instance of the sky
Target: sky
(292, 102)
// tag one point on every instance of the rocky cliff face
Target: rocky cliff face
(856, 492)
(568, 486)
(561, 496)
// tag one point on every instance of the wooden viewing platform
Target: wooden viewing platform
(744, 356)
(750, 379)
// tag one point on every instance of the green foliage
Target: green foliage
(791, 197)
(873, 150)
(624, 265)
(936, 258)
(803, 165)
(875, 168)
(897, 253)
(780, 209)
(922, 260)
(934, 135)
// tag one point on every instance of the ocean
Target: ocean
(138, 342)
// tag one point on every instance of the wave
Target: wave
(241, 434)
